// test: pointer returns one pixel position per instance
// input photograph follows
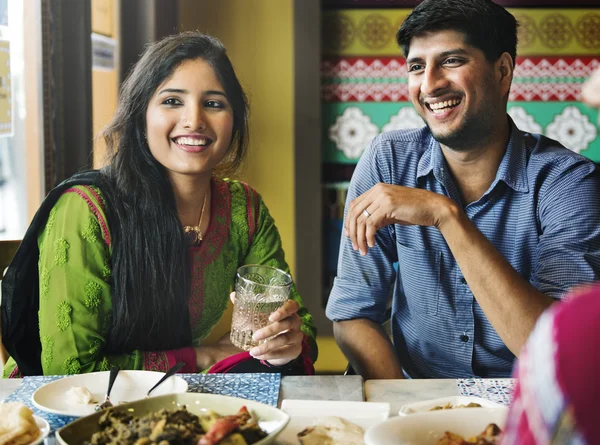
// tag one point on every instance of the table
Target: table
(340, 388)
(335, 387)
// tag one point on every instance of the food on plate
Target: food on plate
(79, 395)
(332, 431)
(450, 406)
(17, 425)
(489, 436)
(178, 426)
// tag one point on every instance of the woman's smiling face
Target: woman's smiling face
(189, 121)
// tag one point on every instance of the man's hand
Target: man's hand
(386, 204)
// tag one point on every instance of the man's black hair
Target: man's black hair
(485, 24)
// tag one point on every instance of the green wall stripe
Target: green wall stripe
(381, 112)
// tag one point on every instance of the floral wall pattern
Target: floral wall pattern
(364, 88)
(364, 81)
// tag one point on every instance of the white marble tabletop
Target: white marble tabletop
(322, 387)
(8, 386)
(401, 392)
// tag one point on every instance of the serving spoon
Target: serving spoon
(176, 367)
(111, 380)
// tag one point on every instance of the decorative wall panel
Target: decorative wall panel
(350, 32)
(364, 78)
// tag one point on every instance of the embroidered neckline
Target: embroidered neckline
(211, 246)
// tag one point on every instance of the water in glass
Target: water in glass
(259, 291)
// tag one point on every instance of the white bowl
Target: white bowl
(129, 386)
(44, 430)
(270, 419)
(428, 428)
(427, 405)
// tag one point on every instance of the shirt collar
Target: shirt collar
(512, 169)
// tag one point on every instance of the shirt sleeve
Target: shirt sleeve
(75, 292)
(568, 252)
(363, 285)
(266, 248)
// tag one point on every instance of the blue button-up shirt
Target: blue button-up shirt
(542, 212)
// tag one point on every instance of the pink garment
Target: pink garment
(302, 365)
(557, 398)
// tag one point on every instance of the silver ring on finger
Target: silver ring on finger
(366, 213)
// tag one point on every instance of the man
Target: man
(489, 225)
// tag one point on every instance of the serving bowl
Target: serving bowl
(428, 428)
(270, 419)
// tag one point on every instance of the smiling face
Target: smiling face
(189, 121)
(460, 95)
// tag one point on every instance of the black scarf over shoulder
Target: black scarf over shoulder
(20, 285)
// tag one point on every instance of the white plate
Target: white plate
(44, 430)
(426, 405)
(270, 419)
(304, 413)
(427, 428)
(129, 386)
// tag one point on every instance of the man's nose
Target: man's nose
(432, 80)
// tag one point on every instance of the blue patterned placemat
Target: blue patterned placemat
(496, 390)
(262, 388)
(259, 387)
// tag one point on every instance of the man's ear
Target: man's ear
(504, 71)
(505, 66)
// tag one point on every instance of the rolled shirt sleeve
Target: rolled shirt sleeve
(568, 249)
(363, 283)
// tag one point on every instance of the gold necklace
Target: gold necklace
(193, 234)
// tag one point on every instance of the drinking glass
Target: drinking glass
(259, 291)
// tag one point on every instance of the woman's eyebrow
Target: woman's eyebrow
(173, 90)
(181, 91)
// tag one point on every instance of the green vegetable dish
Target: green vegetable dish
(179, 427)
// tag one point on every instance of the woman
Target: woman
(557, 394)
(137, 272)
(590, 90)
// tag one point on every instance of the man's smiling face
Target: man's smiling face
(454, 88)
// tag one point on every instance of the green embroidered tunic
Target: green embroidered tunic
(75, 273)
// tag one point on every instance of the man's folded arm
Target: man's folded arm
(368, 348)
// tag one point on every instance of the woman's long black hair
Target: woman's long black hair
(150, 270)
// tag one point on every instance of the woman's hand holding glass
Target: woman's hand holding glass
(284, 334)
